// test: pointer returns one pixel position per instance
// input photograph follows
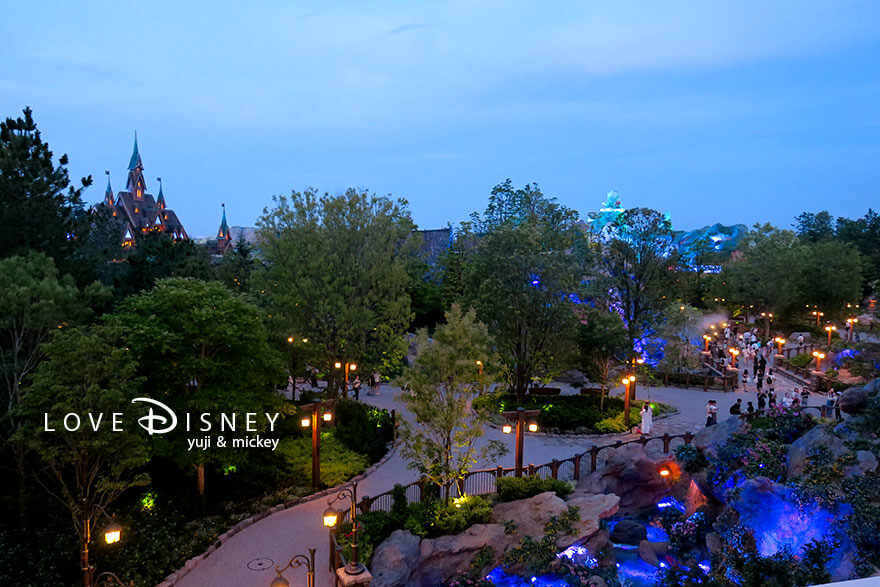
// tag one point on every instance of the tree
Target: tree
(90, 373)
(99, 254)
(832, 276)
(338, 270)
(864, 233)
(202, 349)
(680, 321)
(766, 272)
(631, 272)
(603, 344)
(442, 444)
(39, 209)
(35, 304)
(156, 256)
(521, 279)
(815, 227)
(236, 267)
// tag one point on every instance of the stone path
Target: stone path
(276, 538)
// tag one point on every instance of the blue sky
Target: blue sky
(735, 112)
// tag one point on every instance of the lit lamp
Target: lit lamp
(818, 316)
(780, 341)
(313, 414)
(829, 329)
(298, 560)
(733, 354)
(519, 416)
(290, 339)
(112, 533)
(626, 399)
(819, 356)
(331, 517)
(707, 338)
(348, 368)
(851, 325)
(480, 367)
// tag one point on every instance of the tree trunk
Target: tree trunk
(200, 479)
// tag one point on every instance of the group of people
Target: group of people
(374, 382)
(767, 401)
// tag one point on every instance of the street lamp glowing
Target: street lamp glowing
(112, 533)
(707, 338)
(305, 340)
(279, 581)
(533, 427)
(327, 416)
(640, 361)
(507, 429)
(353, 367)
(780, 341)
(829, 329)
(337, 365)
(290, 339)
(305, 422)
(819, 356)
(330, 517)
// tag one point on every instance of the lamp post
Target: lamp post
(331, 516)
(298, 560)
(480, 367)
(626, 400)
(519, 416)
(818, 316)
(819, 356)
(349, 367)
(313, 415)
(733, 355)
(829, 329)
(706, 339)
(112, 534)
(779, 341)
(851, 325)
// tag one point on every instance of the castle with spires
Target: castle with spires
(139, 213)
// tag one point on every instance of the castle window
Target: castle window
(135, 210)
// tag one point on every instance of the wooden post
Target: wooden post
(688, 437)
(594, 457)
(666, 441)
(499, 472)
(577, 467)
(520, 432)
(531, 469)
(554, 469)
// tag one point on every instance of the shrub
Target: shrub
(362, 428)
(690, 458)
(514, 488)
(338, 463)
(801, 360)
(537, 556)
(831, 372)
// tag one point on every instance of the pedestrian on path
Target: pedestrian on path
(762, 401)
(771, 382)
(736, 408)
(771, 398)
(805, 396)
(711, 413)
(356, 388)
(647, 418)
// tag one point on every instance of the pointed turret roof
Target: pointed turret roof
(160, 199)
(223, 233)
(135, 156)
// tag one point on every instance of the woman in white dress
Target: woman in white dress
(647, 418)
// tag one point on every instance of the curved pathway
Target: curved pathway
(278, 537)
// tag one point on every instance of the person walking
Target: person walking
(771, 381)
(647, 414)
(759, 382)
(356, 388)
(805, 396)
(771, 399)
(837, 415)
(745, 381)
(375, 380)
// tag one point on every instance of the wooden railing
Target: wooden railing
(483, 481)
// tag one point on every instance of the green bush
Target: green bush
(362, 428)
(831, 372)
(338, 463)
(514, 488)
(570, 412)
(690, 457)
(801, 360)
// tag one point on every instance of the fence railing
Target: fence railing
(484, 481)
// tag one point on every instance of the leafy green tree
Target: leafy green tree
(815, 227)
(236, 267)
(631, 272)
(832, 276)
(603, 344)
(678, 353)
(90, 373)
(156, 256)
(864, 234)
(766, 271)
(202, 349)
(338, 269)
(36, 302)
(39, 209)
(443, 441)
(99, 254)
(520, 279)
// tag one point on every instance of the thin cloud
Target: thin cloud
(405, 28)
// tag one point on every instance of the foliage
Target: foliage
(86, 371)
(519, 276)
(155, 256)
(783, 424)
(748, 455)
(514, 488)
(338, 462)
(362, 428)
(537, 555)
(39, 210)
(338, 270)
(203, 349)
(688, 533)
(833, 270)
(571, 412)
(474, 575)
(801, 360)
(691, 458)
(603, 343)
(236, 267)
(634, 267)
(443, 445)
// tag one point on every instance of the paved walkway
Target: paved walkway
(276, 538)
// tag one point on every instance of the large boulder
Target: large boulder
(801, 448)
(592, 509)
(865, 463)
(648, 554)
(442, 557)
(530, 515)
(629, 532)
(711, 437)
(393, 560)
(631, 474)
(853, 401)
